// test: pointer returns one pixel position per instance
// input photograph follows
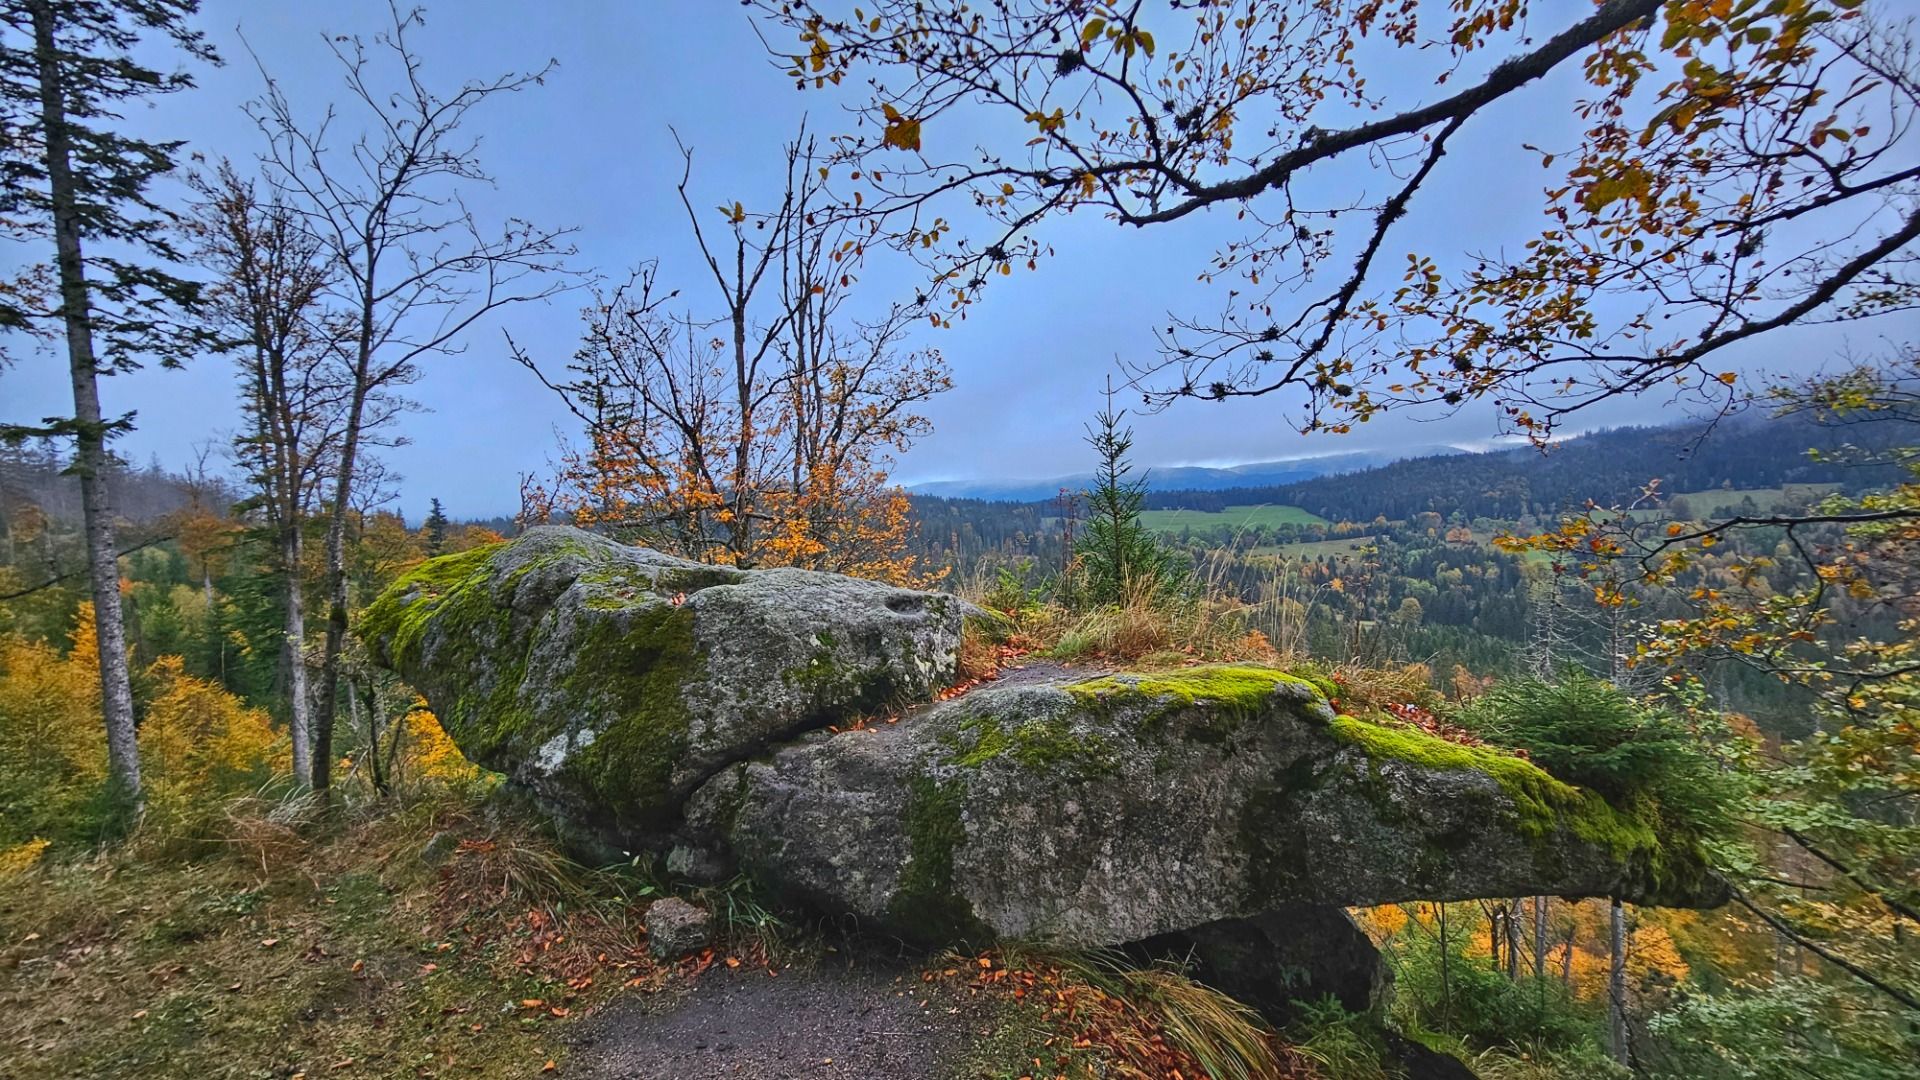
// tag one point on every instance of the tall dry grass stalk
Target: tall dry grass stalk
(1228, 1039)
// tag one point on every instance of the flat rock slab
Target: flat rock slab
(1093, 812)
(831, 1020)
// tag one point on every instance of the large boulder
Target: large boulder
(1079, 811)
(612, 681)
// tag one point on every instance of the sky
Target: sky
(594, 148)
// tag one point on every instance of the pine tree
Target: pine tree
(436, 529)
(67, 72)
(1117, 553)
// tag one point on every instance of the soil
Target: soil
(841, 1016)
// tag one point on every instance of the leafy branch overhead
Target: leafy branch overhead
(1737, 168)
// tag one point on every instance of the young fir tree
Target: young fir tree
(436, 529)
(68, 70)
(1117, 553)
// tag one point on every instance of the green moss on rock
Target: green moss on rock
(926, 902)
(1232, 685)
(1218, 698)
(637, 650)
(1046, 745)
(641, 662)
(1542, 804)
(397, 621)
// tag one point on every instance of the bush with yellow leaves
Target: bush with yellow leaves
(428, 754)
(198, 743)
(53, 756)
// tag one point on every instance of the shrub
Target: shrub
(53, 756)
(1484, 1008)
(200, 744)
(1586, 732)
(1342, 1045)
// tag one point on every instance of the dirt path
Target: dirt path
(839, 1018)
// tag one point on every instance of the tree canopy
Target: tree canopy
(1739, 167)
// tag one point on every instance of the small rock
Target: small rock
(439, 849)
(676, 928)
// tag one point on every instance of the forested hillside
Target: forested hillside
(1612, 468)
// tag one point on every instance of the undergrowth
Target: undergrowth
(436, 936)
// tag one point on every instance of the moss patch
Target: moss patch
(396, 623)
(642, 667)
(1235, 686)
(926, 904)
(1042, 744)
(1543, 805)
(1218, 698)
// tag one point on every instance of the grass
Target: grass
(1721, 502)
(1233, 518)
(338, 951)
(1316, 549)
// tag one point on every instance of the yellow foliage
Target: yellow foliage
(20, 858)
(199, 740)
(53, 751)
(428, 753)
(50, 708)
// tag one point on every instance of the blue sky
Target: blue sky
(593, 149)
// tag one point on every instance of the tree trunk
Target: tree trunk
(1617, 981)
(299, 711)
(368, 705)
(326, 697)
(1512, 919)
(1494, 917)
(90, 432)
(1539, 937)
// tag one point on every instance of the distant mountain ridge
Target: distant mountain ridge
(1609, 467)
(1259, 474)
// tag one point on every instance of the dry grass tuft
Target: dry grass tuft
(1103, 1017)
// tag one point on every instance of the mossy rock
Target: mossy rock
(611, 681)
(1091, 812)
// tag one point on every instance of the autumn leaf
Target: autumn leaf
(903, 134)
